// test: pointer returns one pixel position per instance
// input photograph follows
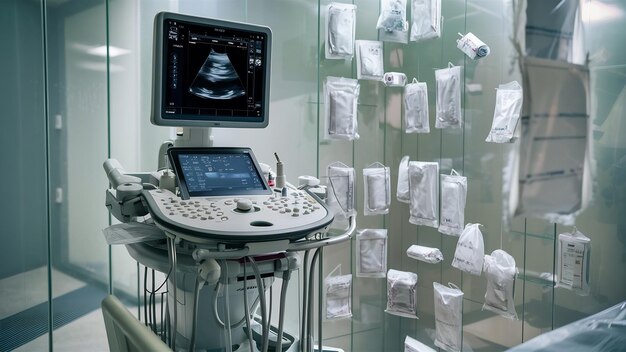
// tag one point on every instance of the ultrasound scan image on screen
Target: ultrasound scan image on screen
(210, 73)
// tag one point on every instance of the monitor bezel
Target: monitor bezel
(159, 66)
(173, 154)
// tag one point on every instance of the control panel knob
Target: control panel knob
(244, 204)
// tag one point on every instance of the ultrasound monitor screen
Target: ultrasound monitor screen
(217, 172)
(212, 73)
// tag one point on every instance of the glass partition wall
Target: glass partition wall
(78, 91)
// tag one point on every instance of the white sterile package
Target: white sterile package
(394, 79)
(425, 254)
(416, 107)
(509, 99)
(470, 250)
(402, 192)
(449, 114)
(412, 345)
(473, 47)
(377, 184)
(369, 60)
(425, 20)
(340, 197)
(573, 258)
(392, 23)
(340, 30)
(424, 193)
(448, 317)
(341, 96)
(453, 197)
(402, 293)
(338, 296)
(500, 270)
(371, 253)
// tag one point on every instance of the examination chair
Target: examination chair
(125, 333)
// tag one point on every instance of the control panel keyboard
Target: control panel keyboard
(239, 218)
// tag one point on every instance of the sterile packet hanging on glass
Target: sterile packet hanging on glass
(338, 296)
(506, 115)
(574, 250)
(392, 23)
(377, 184)
(424, 193)
(449, 114)
(500, 270)
(402, 192)
(402, 293)
(371, 249)
(340, 30)
(470, 250)
(369, 60)
(416, 108)
(412, 345)
(340, 190)
(425, 254)
(453, 196)
(448, 317)
(341, 96)
(473, 47)
(425, 20)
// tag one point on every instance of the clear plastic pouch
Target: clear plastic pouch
(341, 96)
(425, 20)
(340, 30)
(448, 317)
(402, 192)
(425, 254)
(338, 293)
(574, 251)
(402, 293)
(424, 193)
(371, 250)
(472, 46)
(369, 60)
(416, 107)
(392, 23)
(506, 115)
(470, 250)
(449, 114)
(412, 345)
(453, 197)
(377, 184)
(500, 270)
(340, 191)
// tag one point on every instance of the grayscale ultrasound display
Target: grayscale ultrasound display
(217, 79)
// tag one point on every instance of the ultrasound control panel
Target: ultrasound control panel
(237, 219)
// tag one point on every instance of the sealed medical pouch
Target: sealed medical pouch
(412, 345)
(424, 193)
(392, 23)
(369, 60)
(453, 196)
(448, 317)
(340, 30)
(338, 296)
(509, 99)
(371, 251)
(425, 254)
(500, 270)
(449, 114)
(425, 20)
(341, 96)
(340, 191)
(573, 255)
(402, 293)
(416, 107)
(472, 46)
(470, 250)
(402, 192)
(377, 184)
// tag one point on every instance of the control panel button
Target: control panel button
(244, 204)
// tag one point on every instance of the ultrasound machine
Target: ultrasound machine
(227, 234)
